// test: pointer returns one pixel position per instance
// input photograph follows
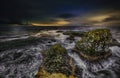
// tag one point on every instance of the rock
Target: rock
(44, 74)
(106, 74)
(94, 44)
(74, 33)
(59, 31)
(46, 36)
(56, 62)
(114, 40)
(114, 43)
(56, 59)
(71, 37)
(53, 40)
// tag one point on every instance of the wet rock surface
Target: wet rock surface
(94, 45)
(25, 61)
(56, 61)
(74, 33)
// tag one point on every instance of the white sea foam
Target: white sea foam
(28, 60)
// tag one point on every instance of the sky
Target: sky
(60, 12)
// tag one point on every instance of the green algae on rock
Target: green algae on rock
(56, 62)
(95, 44)
(55, 59)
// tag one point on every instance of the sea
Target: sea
(22, 59)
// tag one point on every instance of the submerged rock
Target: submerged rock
(71, 37)
(114, 43)
(59, 31)
(74, 33)
(56, 63)
(95, 44)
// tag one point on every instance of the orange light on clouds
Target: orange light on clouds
(98, 18)
(59, 22)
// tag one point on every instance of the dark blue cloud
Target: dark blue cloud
(43, 10)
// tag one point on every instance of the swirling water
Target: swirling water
(24, 62)
(98, 69)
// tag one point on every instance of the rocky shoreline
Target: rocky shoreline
(57, 63)
(56, 55)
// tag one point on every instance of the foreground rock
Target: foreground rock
(56, 64)
(95, 44)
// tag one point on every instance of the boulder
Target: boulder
(59, 31)
(94, 44)
(56, 62)
(71, 37)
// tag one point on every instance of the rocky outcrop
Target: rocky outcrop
(57, 63)
(94, 44)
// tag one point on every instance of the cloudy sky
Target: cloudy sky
(60, 12)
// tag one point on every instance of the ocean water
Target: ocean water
(24, 61)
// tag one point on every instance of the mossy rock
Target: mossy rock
(94, 43)
(56, 61)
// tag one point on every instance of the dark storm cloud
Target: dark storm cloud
(11, 9)
(66, 15)
(48, 21)
(10, 22)
(46, 10)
